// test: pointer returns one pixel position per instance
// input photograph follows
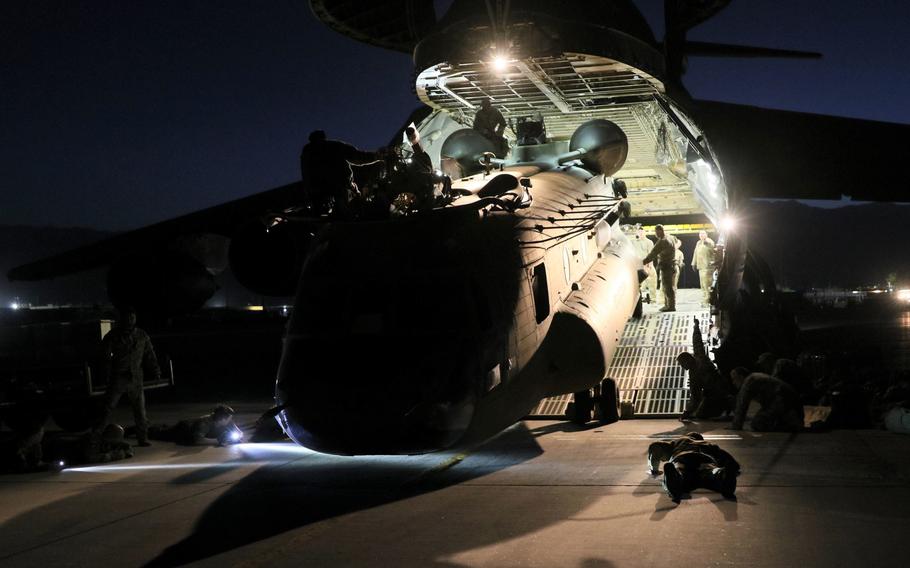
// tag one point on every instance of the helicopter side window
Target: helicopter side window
(540, 292)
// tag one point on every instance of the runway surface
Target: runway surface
(541, 494)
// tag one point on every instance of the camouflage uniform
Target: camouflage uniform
(709, 394)
(489, 122)
(129, 358)
(703, 262)
(664, 256)
(781, 410)
(693, 463)
(89, 448)
(194, 431)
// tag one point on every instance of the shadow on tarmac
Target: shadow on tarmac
(274, 500)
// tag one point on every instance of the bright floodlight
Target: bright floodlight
(500, 63)
(235, 436)
(728, 224)
(903, 295)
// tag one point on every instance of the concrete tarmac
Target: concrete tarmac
(542, 494)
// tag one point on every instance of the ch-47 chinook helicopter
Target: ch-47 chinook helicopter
(438, 329)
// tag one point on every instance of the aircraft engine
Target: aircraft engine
(606, 146)
(464, 147)
(268, 260)
(165, 283)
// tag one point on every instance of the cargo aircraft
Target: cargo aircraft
(437, 327)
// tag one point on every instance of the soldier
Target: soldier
(781, 409)
(219, 425)
(128, 359)
(92, 447)
(325, 168)
(664, 256)
(703, 262)
(490, 122)
(709, 394)
(22, 452)
(649, 287)
(693, 463)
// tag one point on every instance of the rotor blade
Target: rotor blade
(704, 49)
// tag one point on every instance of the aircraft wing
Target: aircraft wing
(768, 153)
(221, 219)
(393, 24)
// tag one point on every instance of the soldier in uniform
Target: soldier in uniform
(325, 168)
(703, 262)
(709, 394)
(490, 122)
(219, 425)
(22, 452)
(781, 409)
(649, 287)
(693, 463)
(92, 447)
(128, 359)
(663, 255)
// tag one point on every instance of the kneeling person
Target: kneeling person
(781, 408)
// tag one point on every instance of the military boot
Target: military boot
(672, 482)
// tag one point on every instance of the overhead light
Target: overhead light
(728, 224)
(500, 63)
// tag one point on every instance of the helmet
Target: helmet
(222, 411)
(112, 433)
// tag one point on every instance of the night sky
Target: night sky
(114, 115)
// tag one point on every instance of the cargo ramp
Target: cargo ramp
(644, 366)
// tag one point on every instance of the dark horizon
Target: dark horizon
(121, 115)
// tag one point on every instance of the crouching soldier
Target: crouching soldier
(781, 408)
(691, 464)
(709, 394)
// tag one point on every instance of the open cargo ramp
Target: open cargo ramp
(644, 366)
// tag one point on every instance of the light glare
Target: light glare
(500, 63)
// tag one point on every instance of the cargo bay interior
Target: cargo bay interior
(669, 172)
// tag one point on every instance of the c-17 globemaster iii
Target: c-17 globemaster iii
(437, 326)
